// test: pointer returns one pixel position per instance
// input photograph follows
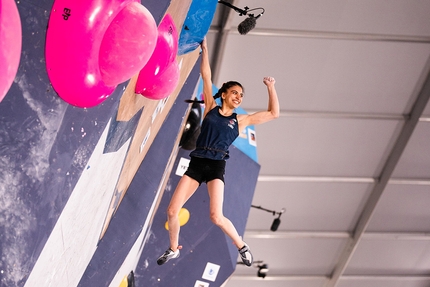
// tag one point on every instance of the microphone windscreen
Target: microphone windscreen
(247, 25)
(275, 224)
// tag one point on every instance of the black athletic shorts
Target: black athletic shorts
(205, 169)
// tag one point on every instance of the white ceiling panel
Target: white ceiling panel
(309, 206)
(324, 147)
(390, 257)
(427, 110)
(398, 17)
(326, 75)
(403, 208)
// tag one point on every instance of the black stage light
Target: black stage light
(262, 270)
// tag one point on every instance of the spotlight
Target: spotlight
(262, 270)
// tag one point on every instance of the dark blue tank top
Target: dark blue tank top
(217, 134)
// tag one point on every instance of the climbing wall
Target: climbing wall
(87, 169)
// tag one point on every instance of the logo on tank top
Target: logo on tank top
(232, 123)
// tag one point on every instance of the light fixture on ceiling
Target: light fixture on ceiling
(276, 221)
(249, 23)
(263, 268)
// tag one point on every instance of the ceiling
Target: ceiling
(349, 157)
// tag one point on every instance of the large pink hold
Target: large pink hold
(163, 85)
(10, 44)
(160, 76)
(127, 44)
(74, 42)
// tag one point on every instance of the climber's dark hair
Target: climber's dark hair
(223, 89)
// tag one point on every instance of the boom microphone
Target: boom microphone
(247, 25)
(277, 221)
(275, 224)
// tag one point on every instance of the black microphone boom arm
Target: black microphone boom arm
(238, 10)
(244, 11)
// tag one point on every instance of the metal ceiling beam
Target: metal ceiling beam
(258, 234)
(340, 179)
(413, 236)
(425, 119)
(278, 278)
(337, 35)
(386, 277)
(383, 180)
(337, 115)
(271, 277)
(343, 115)
(408, 181)
(292, 178)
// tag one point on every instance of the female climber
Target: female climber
(220, 127)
